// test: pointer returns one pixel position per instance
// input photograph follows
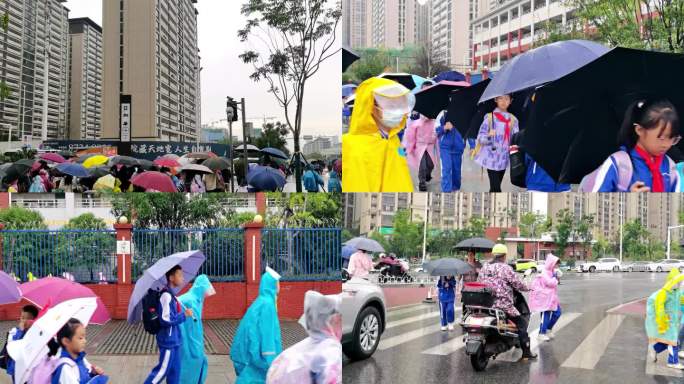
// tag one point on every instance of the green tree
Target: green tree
(564, 230)
(531, 224)
(425, 63)
(583, 232)
(23, 252)
(476, 226)
(635, 240)
(21, 218)
(407, 238)
(306, 209)
(273, 136)
(87, 250)
(601, 247)
(298, 36)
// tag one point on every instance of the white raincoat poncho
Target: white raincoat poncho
(318, 358)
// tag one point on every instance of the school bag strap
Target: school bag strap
(478, 146)
(625, 170)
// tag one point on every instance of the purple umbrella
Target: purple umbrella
(155, 278)
(542, 65)
(449, 76)
(9, 289)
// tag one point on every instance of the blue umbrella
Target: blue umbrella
(347, 251)
(366, 244)
(155, 278)
(275, 153)
(72, 169)
(265, 178)
(348, 89)
(449, 76)
(542, 65)
(419, 82)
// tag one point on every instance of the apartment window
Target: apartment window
(514, 13)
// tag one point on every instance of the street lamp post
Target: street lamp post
(427, 213)
(668, 237)
(621, 225)
(230, 114)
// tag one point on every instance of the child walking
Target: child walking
(544, 297)
(451, 148)
(169, 337)
(663, 319)
(494, 140)
(649, 130)
(447, 297)
(28, 314)
(73, 367)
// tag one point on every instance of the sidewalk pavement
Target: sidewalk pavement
(127, 353)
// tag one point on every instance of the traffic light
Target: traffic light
(231, 109)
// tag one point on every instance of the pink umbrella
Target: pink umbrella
(156, 181)
(167, 162)
(54, 157)
(54, 290)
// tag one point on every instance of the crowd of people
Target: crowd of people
(388, 141)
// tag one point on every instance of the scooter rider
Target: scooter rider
(502, 280)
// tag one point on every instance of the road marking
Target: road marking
(413, 308)
(660, 368)
(617, 307)
(594, 345)
(408, 336)
(412, 319)
(565, 319)
(447, 348)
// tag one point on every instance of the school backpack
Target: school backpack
(42, 373)
(518, 166)
(625, 171)
(150, 314)
(309, 181)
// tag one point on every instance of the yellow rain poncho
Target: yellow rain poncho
(370, 162)
(664, 311)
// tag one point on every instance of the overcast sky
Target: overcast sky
(225, 75)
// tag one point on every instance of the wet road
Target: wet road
(591, 344)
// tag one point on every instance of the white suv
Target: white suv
(604, 264)
(666, 265)
(363, 318)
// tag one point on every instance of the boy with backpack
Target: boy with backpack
(165, 325)
(28, 314)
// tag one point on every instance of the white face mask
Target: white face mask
(392, 119)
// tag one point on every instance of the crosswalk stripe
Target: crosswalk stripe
(413, 308)
(565, 319)
(412, 319)
(408, 336)
(594, 345)
(447, 348)
(660, 368)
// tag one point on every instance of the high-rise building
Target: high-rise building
(34, 59)
(85, 81)
(355, 23)
(450, 21)
(151, 54)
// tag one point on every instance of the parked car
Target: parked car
(635, 266)
(363, 318)
(666, 265)
(522, 265)
(603, 264)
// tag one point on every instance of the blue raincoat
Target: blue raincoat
(257, 341)
(194, 360)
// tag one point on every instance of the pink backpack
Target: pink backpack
(625, 171)
(42, 373)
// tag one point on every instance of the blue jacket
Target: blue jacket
(448, 293)
(312, 180)
(334, 184)
(449, 141)
(257, 341)
(14, 334)
(538, 180)
(195, 363)
(607, 177)
(172, 315)
(61, 376)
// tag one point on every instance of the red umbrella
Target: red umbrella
(54, 290)
(54, 157)
(200, 155)
(156, 181)
(167, 162)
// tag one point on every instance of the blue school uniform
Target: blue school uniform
(447, 298)
(168, 340)
(451, 147)
(538, 180)
(14, 334)
(607, 177)
(78, 370)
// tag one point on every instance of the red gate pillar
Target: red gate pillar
(252, 260)
(123, 253)
(4, 200)
(260, 203)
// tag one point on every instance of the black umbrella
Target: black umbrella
(17, 169)
(97, 172)
(216, 164)
(476, 244)
(433, 100)
(348, 58)
(405, 79)
(67, 154)
(519, 107)
(123, 160)
(463, 106)
(146, 164)
(574, 121)
(274, 152)
(447, 267)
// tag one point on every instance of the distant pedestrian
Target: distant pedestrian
(446, 286)
(544, 297)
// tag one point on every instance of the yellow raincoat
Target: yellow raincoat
(664, 311)
(371, 163)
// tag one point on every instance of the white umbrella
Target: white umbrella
(29, 351)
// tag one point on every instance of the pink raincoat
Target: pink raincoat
(420, 137)
(544, 295)
(360, 264)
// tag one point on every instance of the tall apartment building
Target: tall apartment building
(502, 29)
(450, 23)
(655, 211)
(34, 58)
(151, 54)
(386, 23)
(85, 81)
(373, 211)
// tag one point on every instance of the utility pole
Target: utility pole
(427, 213)
(669, 239)
(244, 137)
(231, 113)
